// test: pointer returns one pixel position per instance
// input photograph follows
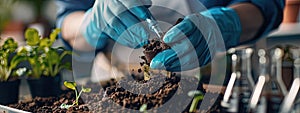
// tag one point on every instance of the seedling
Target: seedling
(143, 108)
(198, 95)
(6, 66)
(72, 85)
(146, 72)
(42, 57)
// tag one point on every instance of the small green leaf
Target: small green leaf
(54, 34)
(32, 37)
(70, 85)
(143, 108)
(45, 42)
(10, 45)
(52, 56)
(65, 106)
(86, 90)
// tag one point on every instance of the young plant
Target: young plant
(72, 85)
(143, 108)
(146, 72)
(7, 66)
(42, 57)
(198, 95)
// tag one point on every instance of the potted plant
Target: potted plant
(9, 82)
(45, 63)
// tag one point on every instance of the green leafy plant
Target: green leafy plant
(42, 57)
(198, 95)
(72, 86)
(6, 66)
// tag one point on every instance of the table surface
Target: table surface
(286, 29)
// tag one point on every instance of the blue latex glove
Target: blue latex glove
(191, 39)
(116, 19)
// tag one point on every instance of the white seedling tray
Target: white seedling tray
(5, 109)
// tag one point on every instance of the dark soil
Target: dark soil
(153, 48)
(115, 98)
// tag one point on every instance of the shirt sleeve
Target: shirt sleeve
(272, 11)
(66, 7)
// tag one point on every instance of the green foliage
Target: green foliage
(198, 95)
(72, 85)
(6, 66)
(42, 57)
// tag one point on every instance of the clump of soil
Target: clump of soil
(154, 47)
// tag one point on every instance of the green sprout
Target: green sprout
(7, 66)
(72, 85)
(143, 108)
(146, 72)
(42, 57)
(198, 95)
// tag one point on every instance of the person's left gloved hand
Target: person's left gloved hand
(195, 39)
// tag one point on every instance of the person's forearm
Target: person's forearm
(71, 31)
(251, 19)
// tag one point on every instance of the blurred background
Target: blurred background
(17, 15)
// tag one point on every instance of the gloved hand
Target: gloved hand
(194, 40)
(116, 19)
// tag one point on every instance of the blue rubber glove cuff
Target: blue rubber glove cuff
(92, 34)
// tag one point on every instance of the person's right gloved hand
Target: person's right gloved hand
(195, 40)
(119, 20)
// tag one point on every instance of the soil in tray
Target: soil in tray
(115, 98)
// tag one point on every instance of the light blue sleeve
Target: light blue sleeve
(272, 11)
(65, 7)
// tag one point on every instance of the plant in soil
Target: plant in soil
(45, 62)
(8, 65)
(72, 86)
(143, 108)
(198, 96)
(42, 57)
(9, 82)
